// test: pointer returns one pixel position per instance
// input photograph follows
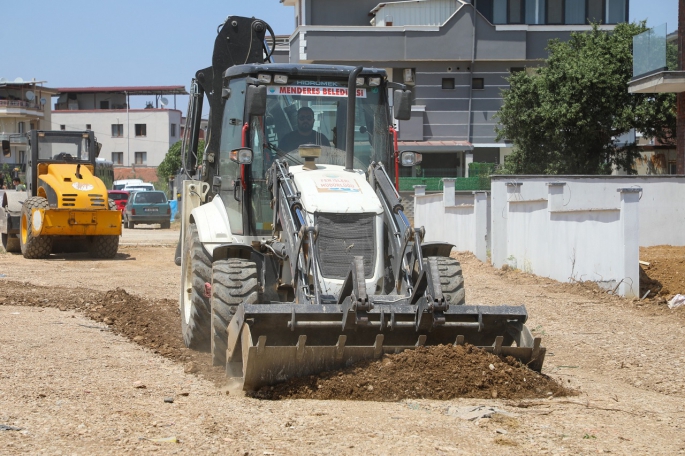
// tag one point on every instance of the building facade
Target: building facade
(129, 137)
(24, 105)
(456, 57)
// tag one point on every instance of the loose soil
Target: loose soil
(440, 372)
(73, 382)
(664, 276)
(426, 373)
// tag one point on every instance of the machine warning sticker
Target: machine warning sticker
(336, 184)
(336, 92)
(82, 187)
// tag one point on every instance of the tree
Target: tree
(563, 117)
(171, 164)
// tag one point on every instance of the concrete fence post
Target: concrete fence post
(555, 196)
(480, 221)
(629, 267)
(419, 190)
(448, 198)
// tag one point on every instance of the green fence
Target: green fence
(479, 180)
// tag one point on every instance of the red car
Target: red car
(119, 197)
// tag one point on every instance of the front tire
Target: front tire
(451, 281)
(196, 271)
(32, 246)
(234, 282)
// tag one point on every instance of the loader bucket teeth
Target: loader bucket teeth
(277, 342)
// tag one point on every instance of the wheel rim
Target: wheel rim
(24, 229)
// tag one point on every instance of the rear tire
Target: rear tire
(103, 246)
(33, 247)
(234, 282)
(196, 270)
(129, 224)
(10, 242)
(165, 225)
(451, 281)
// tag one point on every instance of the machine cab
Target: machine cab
(300, 109)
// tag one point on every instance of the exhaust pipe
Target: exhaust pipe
(351, 106)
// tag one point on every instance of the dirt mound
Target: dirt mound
(151, 323)
(442, 372)
(439, 372)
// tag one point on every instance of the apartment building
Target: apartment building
(24, 105)
(455, 55)
(129, 137)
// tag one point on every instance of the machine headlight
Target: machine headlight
(242, 156)
(264, 78)
(281, 79)
(410, 158)
(373, 82)
(360, 81)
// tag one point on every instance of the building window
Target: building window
(141, 129)
(62, 127)
(22, 156)
(32, 126)
(672, 168)
(173, 130)
(117, 130)
(555, 12)
(20, 127)
(141, 158)
(477, 84)
(104, 104)
(617, 11)
(448, 83)
(88, 127)
(574, 12)
(118, 158)
(595, 11)
(515, 12)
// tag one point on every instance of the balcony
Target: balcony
(651, 70)
(21, 107)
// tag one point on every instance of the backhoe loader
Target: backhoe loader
(298, 261)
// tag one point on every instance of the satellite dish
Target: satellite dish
(19, 79)
(43, 101)
(3, 81)
(164, 101)
(30, 95)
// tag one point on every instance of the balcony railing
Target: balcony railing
(649, 51)
(19, 104)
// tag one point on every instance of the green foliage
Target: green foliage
(672, 56)
(171, 164)
(563, 118)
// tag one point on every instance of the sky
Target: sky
(85, 43)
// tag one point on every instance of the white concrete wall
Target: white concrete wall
(156, 142)
(564, 227)
(460, 219)
(571, 228)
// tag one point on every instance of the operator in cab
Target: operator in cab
(305, 133)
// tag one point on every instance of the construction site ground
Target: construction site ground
(91, 362)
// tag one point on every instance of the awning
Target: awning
(435, 146)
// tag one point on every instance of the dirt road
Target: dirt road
(70, 385)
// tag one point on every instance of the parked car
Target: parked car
(119, 197)
(147, 207)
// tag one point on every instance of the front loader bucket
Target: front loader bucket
(271, 343)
